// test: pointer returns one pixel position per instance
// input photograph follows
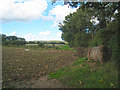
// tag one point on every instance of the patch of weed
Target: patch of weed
(81, 75)
(66, 47)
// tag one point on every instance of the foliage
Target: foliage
(66, 47)
(46, 42)
(76, 28)
(102, 10)
(12, 40)
(113, 43)
(114, 48)
(80, 29)
(109, 37)
(82, 75)
(51, 47)
(98, 38)
(81, 51)
(40, 44)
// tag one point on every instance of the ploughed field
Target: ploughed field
(20, 66)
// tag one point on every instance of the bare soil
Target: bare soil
(42, 82)
(29, 69)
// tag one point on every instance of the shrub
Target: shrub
(101, 37)
(113, 46)
(53, 44)
(40, 44)
(81, 51)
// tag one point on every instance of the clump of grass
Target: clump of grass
(66, 47)
(82, 75)
(42, 47)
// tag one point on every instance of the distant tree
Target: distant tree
(31, 42)
(12, 40)
(38, 42)
(3, 37)
(20, 39)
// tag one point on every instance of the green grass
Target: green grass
(66, 47)
(47, 47)
(86, 76)
(58, 47)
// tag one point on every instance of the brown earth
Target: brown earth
(43, 82)
(29, 68)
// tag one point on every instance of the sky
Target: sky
(33, 19)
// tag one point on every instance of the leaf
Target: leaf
(101, 80)
(51, 73)
(80, 82)
(80, 65)
(112, 85)
(24, 81)
(46, 66)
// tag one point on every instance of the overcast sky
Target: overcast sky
(32, 19)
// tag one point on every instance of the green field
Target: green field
(50, 46)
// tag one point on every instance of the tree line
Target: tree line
(45, 42)
(12, 40)
(17, 41)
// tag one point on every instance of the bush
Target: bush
(81, 51)
(113, 46)
(101, 37)
(53, 44)
(40, 44)
(48, 46)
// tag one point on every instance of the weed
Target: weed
(82, 75)
(66, 47)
